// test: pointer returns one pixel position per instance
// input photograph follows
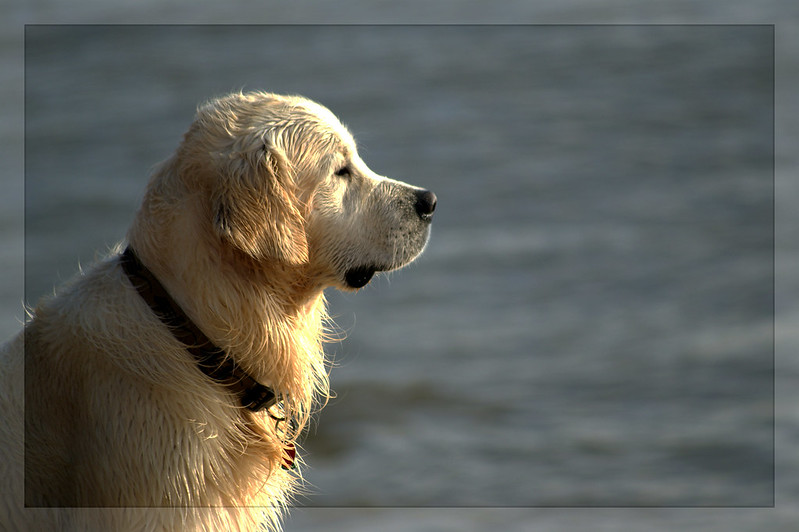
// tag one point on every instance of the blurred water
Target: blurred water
(592, 323)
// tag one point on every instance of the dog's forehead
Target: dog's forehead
(312, 125)
(319, 119)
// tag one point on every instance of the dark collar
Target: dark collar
(211, 360)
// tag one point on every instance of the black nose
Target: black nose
(425, 204)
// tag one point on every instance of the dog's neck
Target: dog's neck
(210, 359)
(268, 317)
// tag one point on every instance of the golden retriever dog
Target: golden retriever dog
(165, 387)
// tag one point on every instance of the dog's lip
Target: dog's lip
(359, 276)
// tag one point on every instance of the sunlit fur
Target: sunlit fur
(245, 226)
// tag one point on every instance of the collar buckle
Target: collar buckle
(258, 397)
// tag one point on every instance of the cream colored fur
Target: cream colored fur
(264, 204)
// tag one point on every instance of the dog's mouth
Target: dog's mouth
(360, 276)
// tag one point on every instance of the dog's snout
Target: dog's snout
(425, 204)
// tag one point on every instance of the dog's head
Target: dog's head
(284, 183)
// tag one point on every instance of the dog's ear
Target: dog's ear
(255, 206)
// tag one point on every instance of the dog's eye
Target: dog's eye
(344, 171)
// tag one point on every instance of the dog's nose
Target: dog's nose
(425, 204)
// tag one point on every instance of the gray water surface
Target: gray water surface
(592, 322)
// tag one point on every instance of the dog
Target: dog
(165, 386)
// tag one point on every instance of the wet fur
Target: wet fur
(245, 226)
